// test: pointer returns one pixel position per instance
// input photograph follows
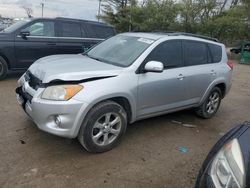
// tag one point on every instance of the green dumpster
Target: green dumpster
(245, 53)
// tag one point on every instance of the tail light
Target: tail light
(230, 64)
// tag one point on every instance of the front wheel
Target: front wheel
(103, 127)
(211, 105)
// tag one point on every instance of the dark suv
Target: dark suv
(28, 40)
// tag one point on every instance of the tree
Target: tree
(229, 21)
(28, 10)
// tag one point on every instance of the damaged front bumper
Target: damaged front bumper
(62, 118)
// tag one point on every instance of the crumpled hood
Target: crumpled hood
(71, 68)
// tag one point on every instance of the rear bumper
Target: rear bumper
(61, 118)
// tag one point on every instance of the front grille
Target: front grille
(25, 96)
(33, 81)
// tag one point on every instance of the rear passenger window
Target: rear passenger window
(169, 53)
(195, 53)
(71, 30)
(216, 52)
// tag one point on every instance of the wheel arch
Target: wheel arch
(124, 100)
(221, 84)
(6, 59)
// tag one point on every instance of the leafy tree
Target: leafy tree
(226, 20)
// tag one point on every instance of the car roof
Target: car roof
(75, 20)
(159, 35)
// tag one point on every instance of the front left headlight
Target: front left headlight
(227, 168)
(61, 92)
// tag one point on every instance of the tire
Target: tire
(3, 68)
(211, 105)
(99, 131)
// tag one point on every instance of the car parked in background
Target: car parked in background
(126, 78)
(228, 163)
(28, 40)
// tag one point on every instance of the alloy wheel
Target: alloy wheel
(1, 68)
(106, 129)
(213, 102)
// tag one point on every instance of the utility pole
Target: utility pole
(99, 10)
(130, 17)
(42, 8)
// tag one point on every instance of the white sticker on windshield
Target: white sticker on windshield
(148, 41)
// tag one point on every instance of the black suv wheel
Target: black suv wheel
(211, 104)
(103, 127)
(3, 68)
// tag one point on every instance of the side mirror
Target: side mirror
(154, 66)
(24, 34)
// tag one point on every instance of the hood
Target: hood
(71, 68)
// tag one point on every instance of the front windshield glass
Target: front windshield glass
(120, 50)
(15, 26)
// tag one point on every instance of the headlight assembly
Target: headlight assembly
(61, 92)
(227, 168)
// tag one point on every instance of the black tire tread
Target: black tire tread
(5, 68)
(95, 109)
(200, 110)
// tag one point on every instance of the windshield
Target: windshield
(15, 26)
(120, 50)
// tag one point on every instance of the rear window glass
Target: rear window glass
(195, 53)
(216, 52)
(71, 30)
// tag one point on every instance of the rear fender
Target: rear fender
(211, 86)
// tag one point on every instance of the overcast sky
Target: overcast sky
(85, 9)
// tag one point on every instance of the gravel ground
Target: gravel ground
(147, 157)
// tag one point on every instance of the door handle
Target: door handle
(212, 72)
(180, 77)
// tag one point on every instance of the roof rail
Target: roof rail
(81, 20)
(193, 35)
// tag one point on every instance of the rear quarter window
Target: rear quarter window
(216, 52)
(99, 31)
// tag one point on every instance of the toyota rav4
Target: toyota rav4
(129, 77)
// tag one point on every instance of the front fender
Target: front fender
(87, 107)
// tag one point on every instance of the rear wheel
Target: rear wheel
(211, 105)
(103, 127)
(3, 68)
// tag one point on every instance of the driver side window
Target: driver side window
(169, 53)
(46, 29)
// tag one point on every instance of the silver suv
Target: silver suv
(129, 77)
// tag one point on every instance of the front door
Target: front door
(158, 92)
(40, 43)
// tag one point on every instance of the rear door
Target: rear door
(70, 37)
(41, 42)
(199, 73)
(91, 39)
